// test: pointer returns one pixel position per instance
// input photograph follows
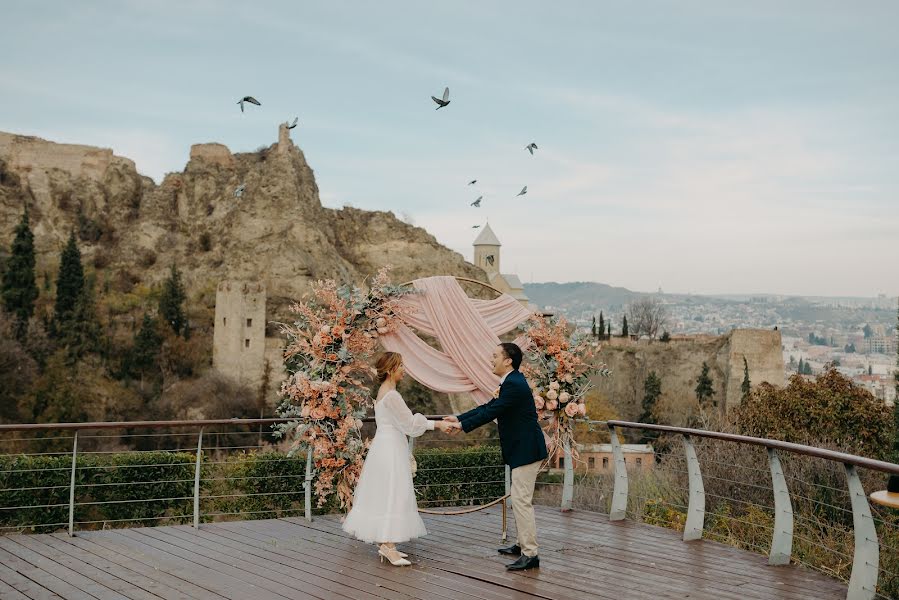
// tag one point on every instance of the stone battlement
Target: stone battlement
(30, 153)
(212, 152)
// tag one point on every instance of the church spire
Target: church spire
(487, 237)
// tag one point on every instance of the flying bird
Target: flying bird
(249, 99)
(444, 102)
(531, 147)
(490, 260)
(472, 182)
(294, 124)
(238, 191)
(523, 191)
(475, 226)
(477, 203)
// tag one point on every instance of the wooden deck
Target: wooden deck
(583, 556)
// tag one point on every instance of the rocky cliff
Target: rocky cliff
(275, 232)
(678, 364)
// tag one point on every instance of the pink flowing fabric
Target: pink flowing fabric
(466, 329)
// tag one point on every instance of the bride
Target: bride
(384, 509)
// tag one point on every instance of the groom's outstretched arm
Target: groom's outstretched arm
(487, 412)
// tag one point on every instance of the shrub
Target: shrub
(459, 476)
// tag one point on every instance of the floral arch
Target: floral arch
(338, 330)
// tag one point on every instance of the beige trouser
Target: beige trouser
(523, 479)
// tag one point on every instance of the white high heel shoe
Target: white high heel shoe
(399, 561)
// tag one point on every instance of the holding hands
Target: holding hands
(449, 424)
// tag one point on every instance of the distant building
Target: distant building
(598, 458)
(883, 344)
(486, 256)
(881, 387)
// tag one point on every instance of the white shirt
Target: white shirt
(504, 377)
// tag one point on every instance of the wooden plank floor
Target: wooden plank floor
(583, 556)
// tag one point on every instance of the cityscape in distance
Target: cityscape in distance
(856, 334)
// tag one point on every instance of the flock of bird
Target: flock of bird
(441, 102)
(444, 101)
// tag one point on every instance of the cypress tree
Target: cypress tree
(82, 332)
(624, 327)
(746, 386)
(171, 301)
(602, 324)
(652, 389)
(704, 389)
(19, 290)
(69, 283)
(144, 355)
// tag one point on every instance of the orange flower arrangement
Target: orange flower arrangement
(558, 369)
(328, 353)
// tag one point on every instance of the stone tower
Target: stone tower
(284, 141)
(762, 349)
(486, 251)
(238, 342)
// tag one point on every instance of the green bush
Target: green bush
(156, 487)
(263, 483)
(459, 476)
(106, 487)
(39, 481)
(139, 487)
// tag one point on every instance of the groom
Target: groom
(523, 446)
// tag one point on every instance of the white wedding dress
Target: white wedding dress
(384, 506)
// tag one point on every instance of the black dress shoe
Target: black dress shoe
(511, 550)
(524, 563)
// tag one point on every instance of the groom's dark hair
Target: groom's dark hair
(514, 352)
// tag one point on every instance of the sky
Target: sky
(704, 147)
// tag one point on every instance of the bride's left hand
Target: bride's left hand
(447, 426)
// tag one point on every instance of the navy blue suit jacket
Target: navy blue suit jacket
(520, 437)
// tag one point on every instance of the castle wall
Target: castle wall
(34, 154)
(212, 153)
(239, 345)
(678, 364)
(762, 350)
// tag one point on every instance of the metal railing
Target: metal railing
(84, 443)
(182, 471)
(694, 479)
(782, 489)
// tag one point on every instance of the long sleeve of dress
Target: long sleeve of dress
(409, 424)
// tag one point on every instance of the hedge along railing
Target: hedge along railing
(165, 484)
(865, 560)
(49, 490)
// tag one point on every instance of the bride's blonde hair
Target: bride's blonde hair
(387, 363)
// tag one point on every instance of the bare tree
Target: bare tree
(647, 316)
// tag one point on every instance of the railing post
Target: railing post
(568, 479)
(72, 486)
(619, 494)
(696, 509)
(199, 462)
(508, 501)
(782, 537)
(866, 560)
(307, 484)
